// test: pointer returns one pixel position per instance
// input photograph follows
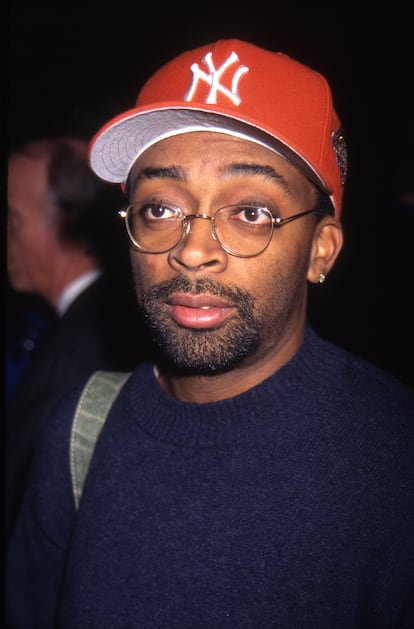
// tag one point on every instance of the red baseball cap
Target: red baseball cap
(237, 88)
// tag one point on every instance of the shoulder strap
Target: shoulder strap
(93, 407)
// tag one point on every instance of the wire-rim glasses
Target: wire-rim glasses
(242, 230)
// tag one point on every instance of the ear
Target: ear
(326, 245)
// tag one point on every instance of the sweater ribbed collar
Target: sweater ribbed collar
(253, 416)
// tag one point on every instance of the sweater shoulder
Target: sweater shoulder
(350, 383)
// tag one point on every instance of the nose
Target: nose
(198, 248)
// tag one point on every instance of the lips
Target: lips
(199, 311)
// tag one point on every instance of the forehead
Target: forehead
(26, 165)
(206, 151)
(27, 176)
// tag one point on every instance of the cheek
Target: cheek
(290, 257)
(35, 240)
(23, 247)
(147, 270)
(278, 276)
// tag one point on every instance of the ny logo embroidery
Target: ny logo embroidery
(213, 77)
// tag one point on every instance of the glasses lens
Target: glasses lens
(243, 230)
(154, 227)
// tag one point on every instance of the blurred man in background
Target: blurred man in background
(62, 234)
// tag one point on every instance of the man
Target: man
(61, 234)
(255, 475)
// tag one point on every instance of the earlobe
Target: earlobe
(327, 243)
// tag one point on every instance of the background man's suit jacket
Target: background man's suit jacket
(102, 329)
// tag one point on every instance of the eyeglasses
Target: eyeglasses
(241, 230)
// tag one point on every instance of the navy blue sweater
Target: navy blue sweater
(288, 506)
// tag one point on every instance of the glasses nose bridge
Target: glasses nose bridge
(187, 220)
(191, 217)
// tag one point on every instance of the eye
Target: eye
(255, 215)
(158, 211)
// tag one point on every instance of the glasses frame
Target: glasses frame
(186, 225)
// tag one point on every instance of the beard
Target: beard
(201, 351)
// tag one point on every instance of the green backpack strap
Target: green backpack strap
(93, 407)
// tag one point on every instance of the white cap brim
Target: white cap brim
(115, 150)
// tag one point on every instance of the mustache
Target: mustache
(241, 299)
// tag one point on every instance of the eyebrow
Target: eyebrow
(177, 173)
(169, 172)
(268, 172)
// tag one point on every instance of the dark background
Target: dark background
(74, 65)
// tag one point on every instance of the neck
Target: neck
(67, 270)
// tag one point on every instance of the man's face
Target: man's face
(30, 236)
(210, 311)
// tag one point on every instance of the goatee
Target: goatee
(201, 351)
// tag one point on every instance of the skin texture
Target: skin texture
(213, 348)
(38, 260)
